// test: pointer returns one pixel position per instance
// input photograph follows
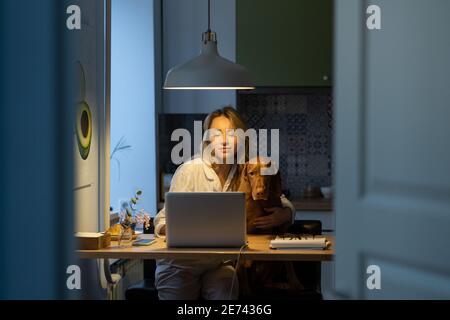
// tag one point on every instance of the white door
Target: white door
(392, 149)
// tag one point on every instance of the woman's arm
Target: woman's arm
(279, 217)
(180, 182)
(160, 223)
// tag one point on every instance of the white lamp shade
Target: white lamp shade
(208, 71)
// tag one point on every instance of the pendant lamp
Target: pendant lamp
(208, 71)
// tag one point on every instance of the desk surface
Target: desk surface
(258, 249)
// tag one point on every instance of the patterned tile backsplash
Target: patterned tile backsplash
(305, 124)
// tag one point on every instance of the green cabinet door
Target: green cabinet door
(285, 42)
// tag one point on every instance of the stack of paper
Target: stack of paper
(299, 242)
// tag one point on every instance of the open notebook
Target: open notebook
(290, 241)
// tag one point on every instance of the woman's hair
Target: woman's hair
(231, 114)
(228, 112)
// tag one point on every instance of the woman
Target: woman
(212, 171)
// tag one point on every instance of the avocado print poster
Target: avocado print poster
(83, 116)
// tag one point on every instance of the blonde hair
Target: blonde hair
(235, 118)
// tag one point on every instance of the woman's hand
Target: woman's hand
(278, 217)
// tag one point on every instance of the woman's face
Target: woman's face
(223, 139)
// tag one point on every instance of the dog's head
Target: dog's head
(262, 186)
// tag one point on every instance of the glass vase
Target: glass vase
(125, 238)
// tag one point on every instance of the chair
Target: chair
(145, 289)
(301, 279)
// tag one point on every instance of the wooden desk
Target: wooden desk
(258, 249)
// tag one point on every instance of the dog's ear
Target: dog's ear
(244, 183)
(244, 172)
(269, 167)
(276, 184)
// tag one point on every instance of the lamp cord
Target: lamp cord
(236, 270)
(209, 15)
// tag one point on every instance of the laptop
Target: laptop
(205, 219)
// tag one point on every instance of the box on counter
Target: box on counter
(92, 240)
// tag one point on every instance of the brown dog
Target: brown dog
(261, 191)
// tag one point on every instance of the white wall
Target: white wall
(133, 101)
(184, 21)
(89, 43)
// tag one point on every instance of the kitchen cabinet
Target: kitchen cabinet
(285, 42)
